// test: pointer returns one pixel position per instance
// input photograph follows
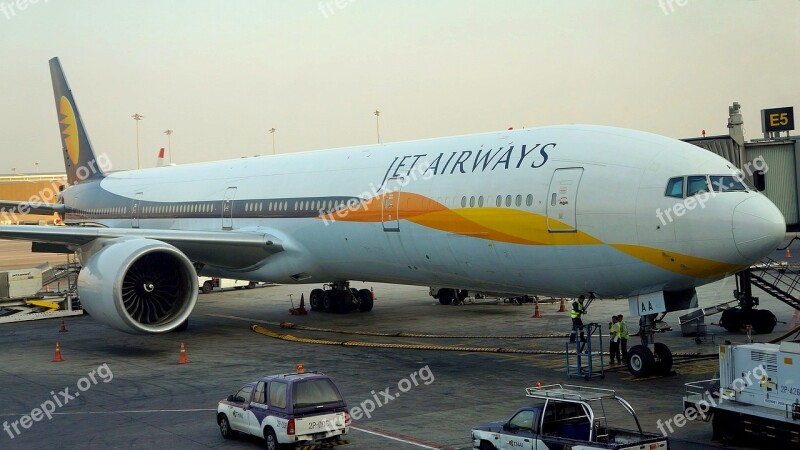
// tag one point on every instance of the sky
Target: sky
(222, 74)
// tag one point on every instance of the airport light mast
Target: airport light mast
(137, 117)
(168, 132)
(378, 124)
(272, 132)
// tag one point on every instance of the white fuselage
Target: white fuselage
(582, 217)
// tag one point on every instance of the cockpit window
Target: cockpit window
(675, 187)
(696, 184)
(724, 183)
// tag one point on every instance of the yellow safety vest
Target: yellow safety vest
(577, 310)
(622, 327)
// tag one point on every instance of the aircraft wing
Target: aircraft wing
(228, 249)
(15, 207)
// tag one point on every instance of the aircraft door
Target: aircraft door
(390, 204)
(562, 200)
(227, 208)
(135, 207)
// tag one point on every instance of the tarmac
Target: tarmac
(128, 391)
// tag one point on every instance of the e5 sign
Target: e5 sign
(777, 119)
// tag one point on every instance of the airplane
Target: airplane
(563, 210)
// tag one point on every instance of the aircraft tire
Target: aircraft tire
(731, 320)
(328, 301)
(663, 366)
(763, 321)
(641, 361)
(366, 303)
(315, 299)
(446, 296)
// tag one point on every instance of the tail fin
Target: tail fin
(79, 158)
(160, 160)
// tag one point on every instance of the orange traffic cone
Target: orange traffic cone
(372, 291)
(563, 307)
(183, 359)
(57, 357)
(63, 326)
(536, 313)
(788, 253)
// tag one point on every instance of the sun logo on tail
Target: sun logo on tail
(69, 130)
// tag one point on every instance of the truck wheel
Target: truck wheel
(270, 440)
(206, 287)
(446, 296)
(486, 445)
(366, 300)
(225, 427)
(664, 363)
(251, 285)
(640, 361)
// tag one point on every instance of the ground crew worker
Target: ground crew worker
(613, 349)
(623, 337)
(577, 324)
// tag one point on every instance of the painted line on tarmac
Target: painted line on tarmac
(401, 438)
(78, 413)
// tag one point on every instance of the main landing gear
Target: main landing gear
(338, 297)
(649, 358)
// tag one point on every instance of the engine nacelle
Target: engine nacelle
(138, 285)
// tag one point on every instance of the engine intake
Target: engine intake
(138, 285)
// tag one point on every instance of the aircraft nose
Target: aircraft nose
(758, 228)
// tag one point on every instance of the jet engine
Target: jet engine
(138, 285)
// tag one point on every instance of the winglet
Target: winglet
(79, 158)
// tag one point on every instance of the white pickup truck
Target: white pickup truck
(286, 409)
(564, 417)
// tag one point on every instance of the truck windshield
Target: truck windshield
(315, 392)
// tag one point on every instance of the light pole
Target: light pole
(378, 124)
(169, 144)
(137, 117)
(36, 167)
(272, 132)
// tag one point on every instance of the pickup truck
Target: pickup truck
(286, 409)
(563, 417)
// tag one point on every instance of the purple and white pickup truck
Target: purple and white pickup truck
(286, 409)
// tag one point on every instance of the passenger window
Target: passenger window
(472, 202)
(508, 200)
(259, 395)
(522, 421)
(243, 395)
(463, 202)
(696, 184)
(675, 187)
(529, 200)
(480, 201)
(721, 183)
(277, 394)
(518, 201)
(499, 200)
